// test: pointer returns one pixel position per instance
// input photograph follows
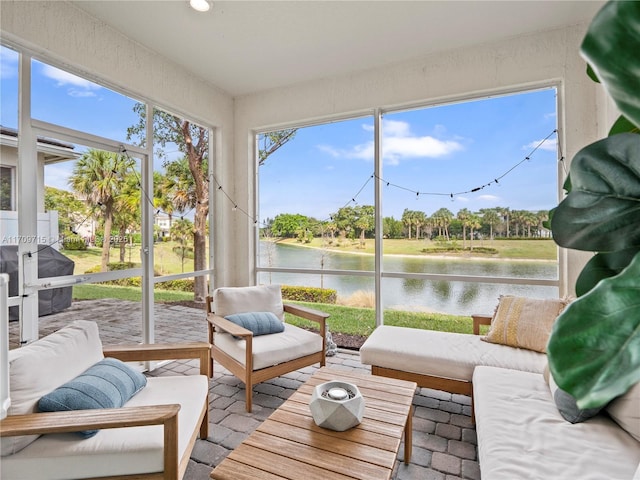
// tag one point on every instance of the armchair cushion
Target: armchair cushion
(625, 411)
(109, 383)
(269, 350)
(264, 298)
(42, 366)
(260, 323)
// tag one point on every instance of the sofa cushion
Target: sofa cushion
(263, 298)
(442, 354)
(522, 435)
(625, 410)
(109, 383)
(269, 350)
(116, 451)
(260, 323)
(524, 322)
(42, 366)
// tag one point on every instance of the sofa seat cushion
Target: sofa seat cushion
(442, 354)
(522, 435)
(42, 366)
(116, 451)
(270, 350)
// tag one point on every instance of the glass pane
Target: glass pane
(8, 87)
(180, 196)
(96, 197)
(316, 190)
(65, 99)
(467, 188)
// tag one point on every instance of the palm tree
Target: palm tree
(490, 217)
(443, 216)
(463, 215)
(407, 219)
(474, 223)
(127, 214)
(98, 178)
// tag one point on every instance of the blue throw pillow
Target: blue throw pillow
(260, 323)
(109, 383)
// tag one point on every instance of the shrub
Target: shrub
(309, 294)
(181, 285)
(73, 242)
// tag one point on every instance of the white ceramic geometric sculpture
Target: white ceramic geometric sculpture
(337, 405)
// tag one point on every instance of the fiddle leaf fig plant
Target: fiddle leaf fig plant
(594, 348)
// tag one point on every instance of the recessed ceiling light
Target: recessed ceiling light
(200, 5)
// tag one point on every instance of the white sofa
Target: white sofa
(151, 436)
(441, 360)
(521, 434)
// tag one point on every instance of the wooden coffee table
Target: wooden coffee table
(289, 445)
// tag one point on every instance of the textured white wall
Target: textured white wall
(61, 34)
(533, 60)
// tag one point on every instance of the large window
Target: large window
(316, 205)
(107, 198)
(464, 191)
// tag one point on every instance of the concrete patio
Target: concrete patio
(444, 438)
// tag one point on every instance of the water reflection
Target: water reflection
(461, 298)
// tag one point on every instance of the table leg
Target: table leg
(408, 437)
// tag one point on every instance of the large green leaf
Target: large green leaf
(594, 349)
(601, 266)
(623, 125)
(611, 47)
(602, 211)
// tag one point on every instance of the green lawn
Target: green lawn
(166, 262)
(362, 321)
(96, 291)
(515, 249)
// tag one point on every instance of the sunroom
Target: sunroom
(240, 71)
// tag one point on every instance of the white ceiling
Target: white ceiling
(248, 46)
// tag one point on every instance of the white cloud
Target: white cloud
(488, 198)
(78, 87)
(550, 145)
(398, 143)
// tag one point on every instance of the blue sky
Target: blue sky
(439, 150)
(444, 149)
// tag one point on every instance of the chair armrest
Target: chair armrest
(160, 351)
(480, 319)
(225, 325)
(306, 313)
(77, 420)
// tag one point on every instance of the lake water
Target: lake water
(453, 297)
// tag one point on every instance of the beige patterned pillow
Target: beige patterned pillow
(625, 410)
(524, 322)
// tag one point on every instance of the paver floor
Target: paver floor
(444, 438)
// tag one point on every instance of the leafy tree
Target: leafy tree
(288, 224)
(71, 211)
(391, 228)
(98, 178)
(268, 143)
(182, 232)
(474, 223)
(193, 141)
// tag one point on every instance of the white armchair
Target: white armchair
(256, 358)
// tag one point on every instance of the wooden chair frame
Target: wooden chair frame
(245, 371)
(166, 415)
